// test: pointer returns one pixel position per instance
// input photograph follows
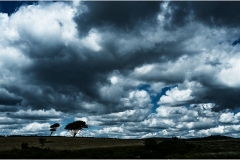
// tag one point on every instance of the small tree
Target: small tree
(75, 127)
(54, 127)
(42, 141)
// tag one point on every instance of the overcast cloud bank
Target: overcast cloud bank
(129, 69)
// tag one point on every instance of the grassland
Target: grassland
(67, 143)
(68, 147)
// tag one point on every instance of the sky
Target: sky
(129, 69)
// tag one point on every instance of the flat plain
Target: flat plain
(80, 147)
(67, 143)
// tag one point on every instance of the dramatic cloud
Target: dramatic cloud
(129, 69)
(120, 15)
(175, 96)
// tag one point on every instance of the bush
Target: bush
(42, 141)
(175, 138)
(174, 146)
(151, 144)
(24, 145)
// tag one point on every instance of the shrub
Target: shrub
(42, 141)
(174, 146)
(24, 145)
(175, 138)
(151, 144)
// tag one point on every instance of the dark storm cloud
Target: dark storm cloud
(12, 125)
(12, 122)
(7, 98)
(68, 77)
(214, 14)
(34, 117)
(215, 92)
(46, 97)
(9, 101)
(224, 98)
(68, 71)
(6, 108)
(122, 15)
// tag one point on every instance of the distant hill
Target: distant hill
(212, 137)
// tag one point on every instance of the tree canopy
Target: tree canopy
(75, 127)
(54, 127)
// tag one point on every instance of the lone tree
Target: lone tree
(75, 127)
(42, 141)
(54, 127)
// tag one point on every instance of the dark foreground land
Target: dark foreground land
(217, 147)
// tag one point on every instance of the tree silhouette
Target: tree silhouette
(42, 141)
(54, 127)
(75, 127)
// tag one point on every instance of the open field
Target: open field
(66, 143)
(68, 147)
(229, 148)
